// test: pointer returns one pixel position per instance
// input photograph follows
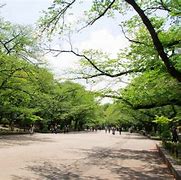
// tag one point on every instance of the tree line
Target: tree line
(29, 93)
(152, 62)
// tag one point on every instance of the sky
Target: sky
(104, 35)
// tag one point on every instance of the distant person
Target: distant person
(174, 135)
(109, 129)
(96, 128)
(106, 129)
(113, 130)
(51, 128)
(65, 129)
(31, 130)
(120, 130)
(130, 129)
(55, 128)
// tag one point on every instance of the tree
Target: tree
(20, 41)
(152, 89)
(75, 105)
(60, 9)
(29, 93)
(18, 88)
(152, 58)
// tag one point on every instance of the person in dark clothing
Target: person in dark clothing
(55, 128)
(120, 130)
(113, 130)
(174, 134)
(109, 129)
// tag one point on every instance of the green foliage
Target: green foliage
(30, 95)
(174, 149)
(119, 114)
(162, 120)
(163, 123)
(154, 88)
(18, 40)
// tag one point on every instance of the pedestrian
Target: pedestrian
(31, 130)
(174, 134)
(113, 130)
(130, 129)
(106, 129)
(109, 129)
(55, 128)
(120, 130)
(51, 128)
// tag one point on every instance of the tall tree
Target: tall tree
(145, 11)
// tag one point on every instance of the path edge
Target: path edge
(170, 162)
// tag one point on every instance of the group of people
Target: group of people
(174, 132)
(113, 129)
(54, 128)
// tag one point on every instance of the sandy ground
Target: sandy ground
(80, 156)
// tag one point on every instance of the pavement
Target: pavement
(81, 156)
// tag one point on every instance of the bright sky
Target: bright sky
(103, 35)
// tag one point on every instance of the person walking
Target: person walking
(174, 134)
(113, 130)
(120, 130)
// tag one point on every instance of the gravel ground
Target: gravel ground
(80, 156)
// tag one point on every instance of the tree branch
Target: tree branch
(164, 7)
(173, 43)
(131, 40)
(119, 98)
(156, 104)
(57, 17)
(9, 76)
(157, 43)
(32, 95)
(101, 72)
(99, 16)
(7, 42)
(144, 106)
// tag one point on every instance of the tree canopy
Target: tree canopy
(152, 61)
(29, 92)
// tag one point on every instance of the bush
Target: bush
(165, 135)
(173, 148)
(163, 123)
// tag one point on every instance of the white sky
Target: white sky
(104, 35)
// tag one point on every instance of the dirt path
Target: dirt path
(84, 156)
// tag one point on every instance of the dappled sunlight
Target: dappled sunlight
(13, 140)
(78, 158)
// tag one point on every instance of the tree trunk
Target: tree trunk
(157, 43)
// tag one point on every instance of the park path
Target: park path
(80, 156)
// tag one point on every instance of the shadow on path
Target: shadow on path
(103, 164)
(131, 164)
(11, 140)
